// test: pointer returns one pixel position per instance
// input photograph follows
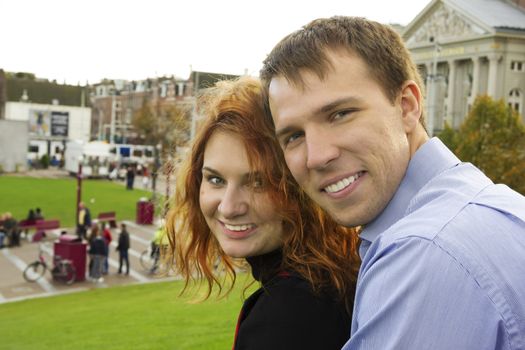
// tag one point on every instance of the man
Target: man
(130, 178)
(84, 220)
(443, 248)
(123, 247)
(11, 228)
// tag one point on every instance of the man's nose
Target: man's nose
(320, 149)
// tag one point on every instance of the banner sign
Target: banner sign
(39, 122)
(59, 123)
(48, 123)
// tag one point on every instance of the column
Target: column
(493, 74)
(450, 93)
(428, 81)
(475, 79)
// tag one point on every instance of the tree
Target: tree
(164, 124)
(492, 137)
(449, 136)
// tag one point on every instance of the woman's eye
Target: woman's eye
(214, 180)
(257, 183)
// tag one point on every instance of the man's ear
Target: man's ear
(411, 105)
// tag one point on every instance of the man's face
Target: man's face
(345, 143)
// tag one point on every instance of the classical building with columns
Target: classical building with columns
(466, 48)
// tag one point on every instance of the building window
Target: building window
(514, 100)
(517, 66)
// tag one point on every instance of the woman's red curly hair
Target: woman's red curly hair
(315, 246)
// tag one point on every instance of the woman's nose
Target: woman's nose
(233, 203)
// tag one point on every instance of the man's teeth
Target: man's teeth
(238, 227)
(339, 185)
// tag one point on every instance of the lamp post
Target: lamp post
(432, 89)
(79, 186)
(154, 173)
(168, 170)
(113, 117)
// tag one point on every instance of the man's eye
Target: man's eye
(342, 114)
(292, 137)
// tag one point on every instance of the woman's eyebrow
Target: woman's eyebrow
(210, 170)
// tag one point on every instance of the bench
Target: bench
(110, 217)
(42, 226)
(28, 224)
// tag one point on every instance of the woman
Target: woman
(236, 199)
(97, 252)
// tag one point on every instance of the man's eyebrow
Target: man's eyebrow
(334, 104)
(283, 131)
(322, 110)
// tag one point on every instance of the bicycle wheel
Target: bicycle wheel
(65, 273)
(146, 260)
(34, 271)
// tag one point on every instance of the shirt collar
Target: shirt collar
(265, 266)
(430, 159)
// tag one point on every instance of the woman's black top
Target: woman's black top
(286, 314)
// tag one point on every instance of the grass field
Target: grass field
(57, 198)
(148, 316)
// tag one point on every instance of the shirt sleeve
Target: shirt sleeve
(414, 295)
(289, 316)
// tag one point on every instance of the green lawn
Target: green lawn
(148, 316)
(57, 198)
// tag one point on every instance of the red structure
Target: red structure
(71, 248)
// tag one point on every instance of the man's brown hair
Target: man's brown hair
(379, 45)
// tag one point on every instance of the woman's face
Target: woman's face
(237, 209)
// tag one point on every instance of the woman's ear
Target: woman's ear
(411, 105)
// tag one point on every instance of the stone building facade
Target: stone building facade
(466, 48)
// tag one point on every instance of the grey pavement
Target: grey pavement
(13, 287)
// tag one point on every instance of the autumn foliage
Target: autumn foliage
(492, 137)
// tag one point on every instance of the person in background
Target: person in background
(106, 235)
(97, 253)
(130, 178)
(38, 214)
(236, 202)
(11, 229)
(30, 220)
(442, 246)
(3, 233)
(31, 217)
(159, 246)
(123, 247)
(84, 220)
(145, 178)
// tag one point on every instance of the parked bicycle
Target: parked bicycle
(62, 270)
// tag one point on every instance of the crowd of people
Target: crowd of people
(99, 242)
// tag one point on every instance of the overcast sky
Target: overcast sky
(85, 41)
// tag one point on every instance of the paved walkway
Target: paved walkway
(13, 261)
